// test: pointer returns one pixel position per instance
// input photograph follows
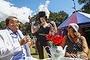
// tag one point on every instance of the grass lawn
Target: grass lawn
(33, 52)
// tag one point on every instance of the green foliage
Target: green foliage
(2, 25)
(58, 17)
(25, 28)
(86, 6)
(84, 1)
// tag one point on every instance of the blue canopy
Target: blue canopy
(77, 17)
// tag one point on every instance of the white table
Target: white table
(65, 58)
(68, 58)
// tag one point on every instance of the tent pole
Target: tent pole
(74, 7)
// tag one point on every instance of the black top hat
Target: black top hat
(42, 14)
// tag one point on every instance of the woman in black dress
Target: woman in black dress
(77, 45)
(42, 30)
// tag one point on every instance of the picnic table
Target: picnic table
(65, 58)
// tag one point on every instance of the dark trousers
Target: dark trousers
(39, 46)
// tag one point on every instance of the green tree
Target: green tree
(84, 1)
(58, 17)
(63, 15)
(3, 24)
(86, 6)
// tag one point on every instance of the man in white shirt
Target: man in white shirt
(13, 45)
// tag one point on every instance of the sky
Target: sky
(23, 8)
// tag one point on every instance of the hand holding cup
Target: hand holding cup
(25, 40)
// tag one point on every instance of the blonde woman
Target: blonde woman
(77, 45)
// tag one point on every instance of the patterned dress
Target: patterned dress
(73, 47)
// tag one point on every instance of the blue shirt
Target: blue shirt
(16, 37)
(10, 48)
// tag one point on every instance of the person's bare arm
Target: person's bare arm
(63, 45)
(84, 46)
(25, 40)
(64, 40)
(33, 30)
(54, 27)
